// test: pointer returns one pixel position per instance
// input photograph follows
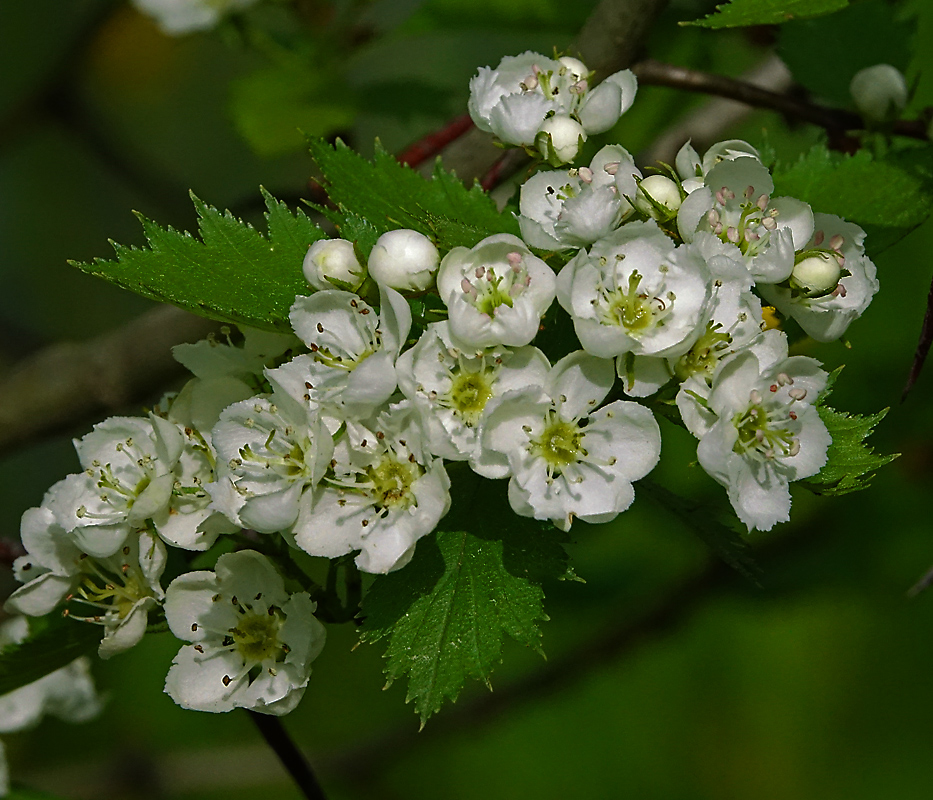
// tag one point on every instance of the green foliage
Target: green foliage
(850, 463)
(54, 643)
(888, 197)
(725, 542)
(824, 54)
(742, 13)
(389, 195)
(234, 274)
(446, 612)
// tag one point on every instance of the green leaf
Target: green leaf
(887, 197)
(446, 613)
(233, 274)
(55, 643)
(390, 195)
(725, 542)
(824, 54)
(742, 13)
(850, 463)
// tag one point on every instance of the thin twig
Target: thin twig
(835, 120)
(69, 382)
(923, 346)
(291, 757)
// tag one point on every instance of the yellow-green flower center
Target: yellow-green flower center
(256, 637)
(392, 480)
(560, 444)
(469, 393)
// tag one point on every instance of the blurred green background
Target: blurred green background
(666, 677)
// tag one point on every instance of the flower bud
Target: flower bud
(559, 139)
(879, 92)
(817, 274)
(658, 194)
(404, 260)
(332, 264)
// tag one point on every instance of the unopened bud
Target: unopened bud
(817, 274)
(559, 139)
(658, 194)
(331, 263)
(404, 260)
(879, 92)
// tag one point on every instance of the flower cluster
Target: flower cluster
(336, 441)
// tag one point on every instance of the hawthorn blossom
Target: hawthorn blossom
(451, 388)
(137, 472)
(116, 592)
(224, 372)
(692, 169)
(574, 208)
(515, 100)
(270, 451)
(633, 292)
(734, 318)
(566, 458)
(384, 491)
(832, 282)
(251, 642)
(735, 204)
(759, 428)
(350, 371)
(496, 292)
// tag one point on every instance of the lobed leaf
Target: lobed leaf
(742, 13)
(446, 613)
(888, 197)
(233, 273)
(57, 643)
(390, 195)
(850, 463)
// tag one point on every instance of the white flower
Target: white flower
(269, 452)
(734, 319)
(496, 292)
(574, 208)
(225, 373)
(735, 204)
(404, 260)
(514, 100)
(351, 369)
(118, 591)
(567, 459)
(759, 428)
(383, 492)
(332, 264)
(634, 293)
(452, 388)
(880, 93)
(832, 283)
(176, 17)
(252, 643)
(690, 167)
(137, 471)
